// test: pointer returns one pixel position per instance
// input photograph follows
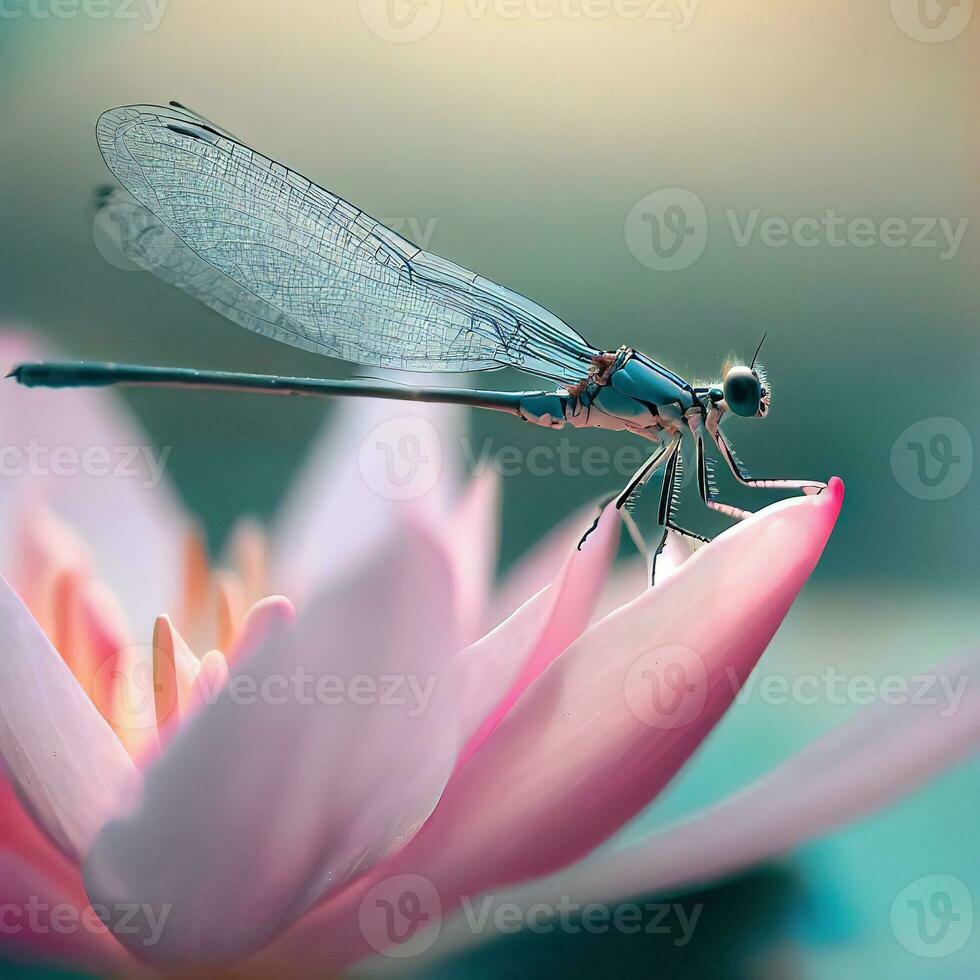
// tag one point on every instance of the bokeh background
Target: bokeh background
(533, 142)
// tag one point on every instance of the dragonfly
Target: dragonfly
(280, 255)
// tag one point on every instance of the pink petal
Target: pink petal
(20, 835)
(588, 737)
(267, 802)
(497, 669)
(879, 755)
(376, 460)
(45, 921)
(536, 569)
(268, 617)
(67, 763)
(471, 536)
(81, 453)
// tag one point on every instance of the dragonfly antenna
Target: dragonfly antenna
(755, 357)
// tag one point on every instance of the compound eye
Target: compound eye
(743, 391)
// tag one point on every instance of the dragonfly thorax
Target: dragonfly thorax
(629, 391)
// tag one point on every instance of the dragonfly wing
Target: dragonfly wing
(147, 242)
(324, 275)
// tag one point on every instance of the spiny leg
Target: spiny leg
(809, 487)
(707, 491)
(635, 484)
(666, 511)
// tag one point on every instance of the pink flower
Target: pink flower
(279, 791)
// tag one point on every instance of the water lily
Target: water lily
(232, 778)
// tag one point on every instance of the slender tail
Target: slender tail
(80, 374)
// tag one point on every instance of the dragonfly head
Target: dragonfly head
(745, 391)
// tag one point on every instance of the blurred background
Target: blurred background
(822, 158)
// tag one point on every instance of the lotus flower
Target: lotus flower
(197, 777)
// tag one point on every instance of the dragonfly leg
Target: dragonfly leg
(668, 494)
(728, 454)
(707, 491)
(635, 484)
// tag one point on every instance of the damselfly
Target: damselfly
(285, 258)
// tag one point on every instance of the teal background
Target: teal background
(524, 144)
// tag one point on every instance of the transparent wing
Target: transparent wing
(290, 260)
(148, 243)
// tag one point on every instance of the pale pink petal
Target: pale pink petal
(605, 727)
(44, 921)
(879, 755)
(210, 681)
(631, 578)
(376, 460)
(20, 834)
(297, 788)
(471, 536)
(68, 765)
(536, 569)
(496, 670)
(81, 453)
(267, 617)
